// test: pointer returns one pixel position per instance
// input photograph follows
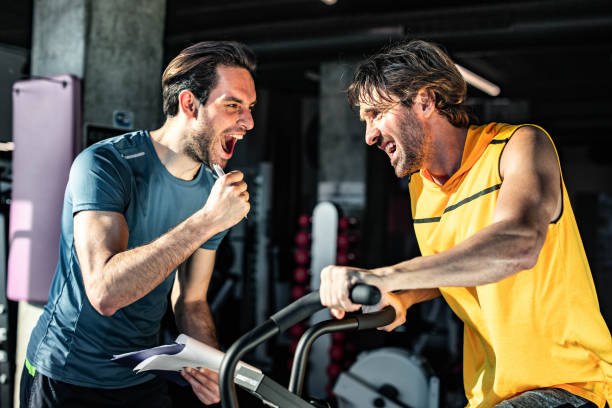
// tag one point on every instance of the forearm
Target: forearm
(129, 275)
(413, 296)
(195, 320)
(491, 255)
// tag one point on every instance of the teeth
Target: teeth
(388, 147)
(239, 137)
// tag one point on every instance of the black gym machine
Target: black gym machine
(269, 391)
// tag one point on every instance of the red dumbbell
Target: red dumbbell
(347, 222)
(333, 370)
(298, 291)
(338, 337)
(302, 238)
(345, 240)
(290, 364)
(329, 389)
(350, 350)
(297, 330)
(300, 274)
(293, 346)
(336, 352)
(302, 256)
(345, 258)
(304, 220)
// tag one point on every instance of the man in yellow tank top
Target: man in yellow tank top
(497, 235)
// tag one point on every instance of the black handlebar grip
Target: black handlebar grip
(362, 294)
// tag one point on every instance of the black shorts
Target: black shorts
(546, 398)
(40, 391)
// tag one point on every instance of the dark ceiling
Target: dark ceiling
(556, 55)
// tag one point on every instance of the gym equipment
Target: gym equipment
(300, 275)
(347, 222)
(45, 145)
(302, 238)
(298, 292)
(388, 377)
(304, 220)
(345, 258)
(7, 353)
(324, 238)
(302, 256)
(269, 391)
(346, 240)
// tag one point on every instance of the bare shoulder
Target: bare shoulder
(529, 136)
(528, 148)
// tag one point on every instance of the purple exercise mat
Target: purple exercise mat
(46, 133)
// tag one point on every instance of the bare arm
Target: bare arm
(189, 297)
(529, 199)
(403, 300)
(193, 317)
(115, 277)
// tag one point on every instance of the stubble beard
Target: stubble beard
(410, 146)
(199, 144)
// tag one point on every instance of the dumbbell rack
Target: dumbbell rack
(6, 363)
(323, 238)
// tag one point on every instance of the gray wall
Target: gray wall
(12, 61)
(116, 46)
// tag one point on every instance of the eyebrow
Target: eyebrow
(237, 100)
(365, 111)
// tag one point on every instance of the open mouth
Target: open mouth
(228, 142)
(389, 148)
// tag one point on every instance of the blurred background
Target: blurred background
(97, 65)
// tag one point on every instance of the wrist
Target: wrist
(384, 272)
(207, 225)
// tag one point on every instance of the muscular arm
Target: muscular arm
(189, 297)
(529, 199)
(115, 277)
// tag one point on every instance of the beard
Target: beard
(199, 142)
(198, 146)
(410, 145)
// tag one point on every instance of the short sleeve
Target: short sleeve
(99, 180)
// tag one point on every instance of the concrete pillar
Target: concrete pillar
(342, 180)
(342, 150)
(341, 142)
(116, 47)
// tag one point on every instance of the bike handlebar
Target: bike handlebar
(306, 306)
(280, 321)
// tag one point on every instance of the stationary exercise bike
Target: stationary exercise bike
(269, 391)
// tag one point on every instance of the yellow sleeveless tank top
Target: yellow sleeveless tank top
(538, 328)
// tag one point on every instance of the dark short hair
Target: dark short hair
(195, 69)
(401, 70)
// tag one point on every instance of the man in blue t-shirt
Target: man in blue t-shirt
(142, 218)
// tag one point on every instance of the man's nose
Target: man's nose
(246, 119)
(372, 134)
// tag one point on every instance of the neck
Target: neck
(168, 142)
(447, 146)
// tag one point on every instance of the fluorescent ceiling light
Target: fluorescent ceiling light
(478, 81)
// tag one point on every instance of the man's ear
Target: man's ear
(188, 103)
(425, 102)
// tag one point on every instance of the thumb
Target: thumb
(338, 314)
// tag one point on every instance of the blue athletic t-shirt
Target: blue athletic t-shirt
(72, 342)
